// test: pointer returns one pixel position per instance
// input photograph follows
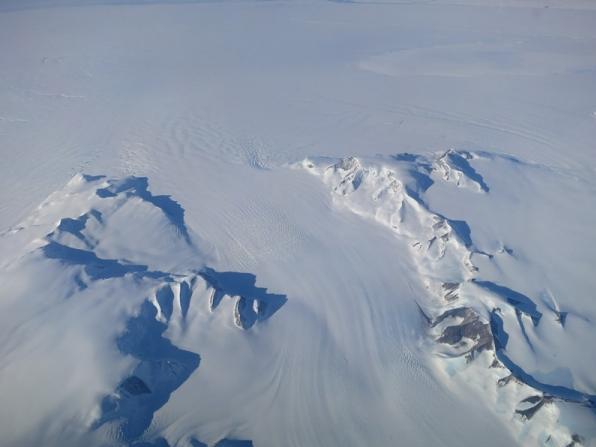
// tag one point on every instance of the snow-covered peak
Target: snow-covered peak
(105, 296)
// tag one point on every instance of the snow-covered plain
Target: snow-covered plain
(297, 223)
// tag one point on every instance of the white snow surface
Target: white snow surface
(297, 223)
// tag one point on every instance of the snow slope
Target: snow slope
(535, 341)
(431, 284)
(91, 265)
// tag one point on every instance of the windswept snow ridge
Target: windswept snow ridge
(468, 316)
(128, 255)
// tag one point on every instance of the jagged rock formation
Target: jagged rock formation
(467, 315)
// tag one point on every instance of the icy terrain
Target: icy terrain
(297, 223)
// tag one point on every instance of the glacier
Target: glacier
(297, 223)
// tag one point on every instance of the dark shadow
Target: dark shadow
(234, 443)
(516, 299)
(421, 184)
(139, 186)
(255, 303)
(423, 181)
(76, 226)
(418, 169)
(97, 268)
(418, 160)
(92, 178)
(500, 337)
(494, 156)
(223, 443)
(165, 298)
(462, 164)
(73, 226)
(162, 368)
(159, 442)
(522, 327)
(407, 157)
(462, 229)
(185, 295)
(500, 340)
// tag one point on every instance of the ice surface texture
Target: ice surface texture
(469, 314)
(158, 367)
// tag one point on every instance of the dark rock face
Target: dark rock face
(470, 328)
(528, 407)
(450, 290)
(254, 304)
(576, 440)
(506, 380)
